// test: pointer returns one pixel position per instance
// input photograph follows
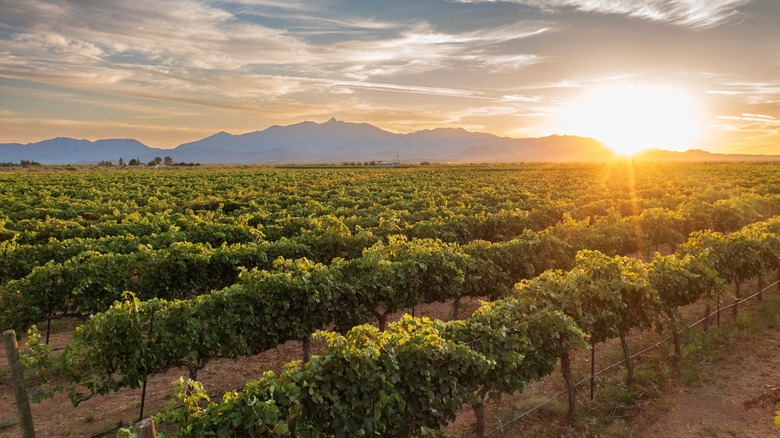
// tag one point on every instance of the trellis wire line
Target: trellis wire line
(102, 434)
(656, 345)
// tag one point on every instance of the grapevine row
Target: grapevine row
(122, 345)
(604, 296)
(90, 281)
(37, 209)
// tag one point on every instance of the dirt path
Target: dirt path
(738, 398)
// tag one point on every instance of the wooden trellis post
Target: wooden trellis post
(20, 389)
(145, 428)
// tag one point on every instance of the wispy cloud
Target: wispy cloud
(749, 92)
(300, 5)
(436, 91)
(747, 117)
(422, 48)
(757, 93)
(760, 131)
(178, 33)
(724, 92)
(759, 116)
(140, 48)
(512, 62)
(694, 13)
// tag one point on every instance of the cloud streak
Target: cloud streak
(693, 13)
(746, 117)
(190, 47)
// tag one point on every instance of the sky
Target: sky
(675, 74)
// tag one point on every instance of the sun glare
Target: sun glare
(630, 118)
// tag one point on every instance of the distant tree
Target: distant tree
(121, 161)
(425, 163)
(133, 162)
(157, 160)
(168, 161)
(152, 163)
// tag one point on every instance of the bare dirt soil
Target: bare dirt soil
(738, 398)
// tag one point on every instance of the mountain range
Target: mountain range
(336, 141)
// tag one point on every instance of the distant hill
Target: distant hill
(698, 155)
(336, 141)
(63, 150)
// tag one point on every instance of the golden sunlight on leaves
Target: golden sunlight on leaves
(631, 118)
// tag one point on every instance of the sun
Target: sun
(630, 118)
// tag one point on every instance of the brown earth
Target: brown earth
(738, 398)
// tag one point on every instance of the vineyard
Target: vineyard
(162, 269)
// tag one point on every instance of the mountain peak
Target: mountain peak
(64, 150)
(338, 141)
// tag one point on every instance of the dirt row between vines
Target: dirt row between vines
(738, 399)
(716, 407)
